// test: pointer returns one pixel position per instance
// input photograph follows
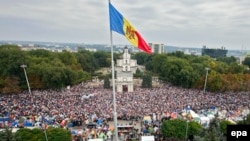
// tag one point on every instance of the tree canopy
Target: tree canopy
(188, 71)
(46, 69)
(247, 61)
(179, 128)
(54, 70)
(53, 134)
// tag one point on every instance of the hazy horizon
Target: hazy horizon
(192, 23)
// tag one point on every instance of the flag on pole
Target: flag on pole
(121, 25)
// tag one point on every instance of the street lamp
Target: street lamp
(24, 66)
(207, 69)
(187, 130)
(188, 114)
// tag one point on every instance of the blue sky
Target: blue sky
(185, 23)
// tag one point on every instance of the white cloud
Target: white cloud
(181, 22)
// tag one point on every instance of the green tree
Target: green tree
(138, 73)
(178, 128)
(88, 62)
(187, 77)
(169, 71)
(245, 121)
(223, 126)
(102, 58)
(148, 65)
(81, 76)
(222, 68)
(53, 77)
(198, 138)
(174, 139)
(214, 82)
(178, 72)
(204, 60)
(227, 60)
(11, 85)
(142, 58)
(147, 81)
(68, 59)
(53, 134)
(247, 61)
(198, 68)
(174, 128)
(10, 59)
(157, 61)
(178, 54)
(7, 135)
(2, 84)
(25, 134)
(194, 128)
(214, 132)
(235, 68)
(106, 82)
(212, 135)
(58, 134)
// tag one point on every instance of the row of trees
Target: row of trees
(180, 130)
(54, 70)
(46, 69)
(25, 134)
(189, 71)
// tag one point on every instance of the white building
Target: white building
(157, 47)
(125, 68)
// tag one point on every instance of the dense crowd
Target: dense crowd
(85, 102)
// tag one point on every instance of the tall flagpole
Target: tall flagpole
(113, 86)
(43, 124)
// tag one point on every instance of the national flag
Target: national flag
(121, 25)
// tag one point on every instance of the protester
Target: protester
(86, 103)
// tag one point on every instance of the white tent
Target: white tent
(211, 116)
(95, 140)
(204, 121)
(87, 96)
(147, 138)
(193, 114)
(245, 112)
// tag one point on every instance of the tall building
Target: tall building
(157, 48)
(214, 53)
(125, 68)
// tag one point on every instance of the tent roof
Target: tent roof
(193, 114)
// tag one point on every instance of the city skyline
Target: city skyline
(192, 23)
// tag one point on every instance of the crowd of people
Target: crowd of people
(86, 102)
